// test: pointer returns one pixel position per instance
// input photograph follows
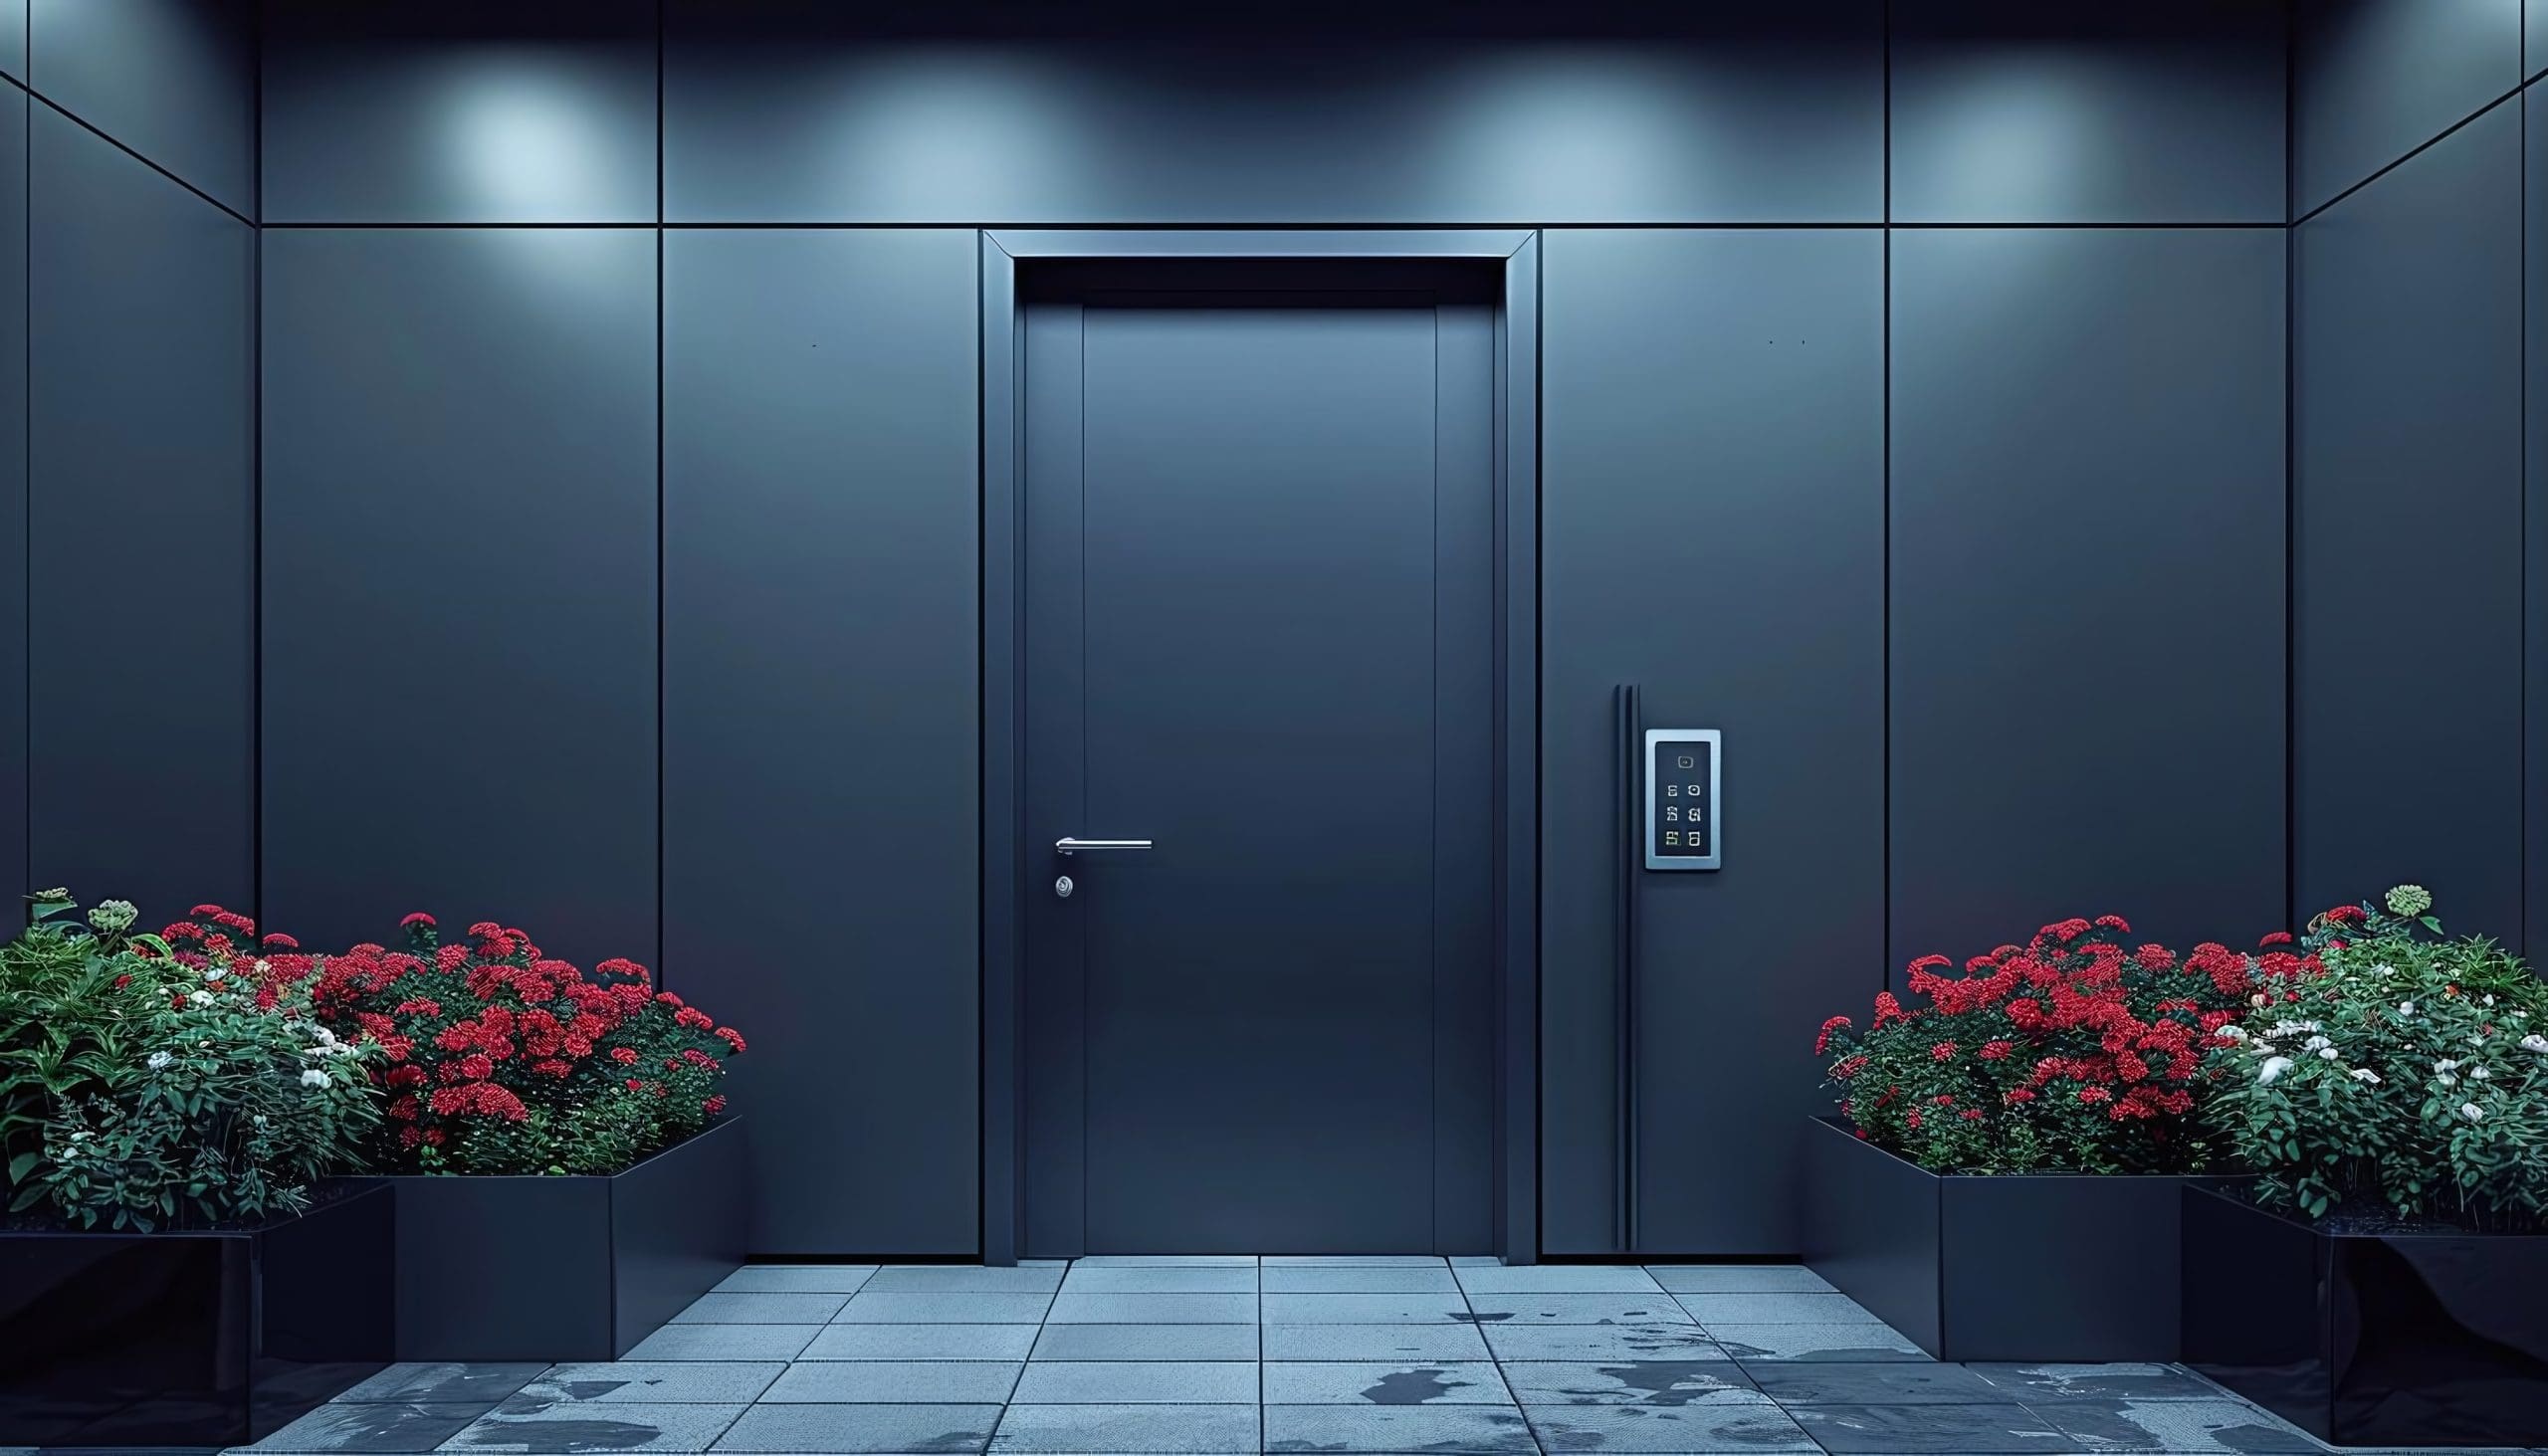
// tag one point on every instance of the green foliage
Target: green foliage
(138, 1091)
(2411, 1073)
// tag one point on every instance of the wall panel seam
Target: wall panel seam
(109, 138)
(2418, 150)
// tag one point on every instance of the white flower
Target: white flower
(2273, 1067)
(2327, 1051)
(2232, 1032)
(2471, 1110)
(159, 1061)
(313, 1078)
(2258, 1000)
(2383, 968)
(2479, 1073)
(2406, 1008)
(2365, 1074)
(2535, 1042)
(2487, 1000)
(200, 998)
(2445, 1065)
(2316, 1044)
(215, 974)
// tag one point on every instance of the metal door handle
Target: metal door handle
(1067, 845)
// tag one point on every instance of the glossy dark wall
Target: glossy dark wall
(2411, 493)
(1018, 113)
(460, 583)
(629, 564)
(126, 451)
(1714, 434)
(820, 862)
(2060, 448)
(14, 876)
(1718, 413)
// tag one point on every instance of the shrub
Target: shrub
(2071, 1053)
(141, 1090)
(502, 1060)
(2412, 1076)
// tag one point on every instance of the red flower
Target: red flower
(1822, 1042)
(2095, 1095)
(1943, 1051)
(1911, 1119)
(713, 1105)
(1995, 1050)
(419, 918)
(2345, 915)
(2275, 937)
(731, 1038)
(479, 1098)
(624, 1056)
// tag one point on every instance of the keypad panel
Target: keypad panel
(1681, 769)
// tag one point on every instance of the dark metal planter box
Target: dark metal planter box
(566, 1268)
(2039, 1267)
(217, 1338)
(2433, 1338)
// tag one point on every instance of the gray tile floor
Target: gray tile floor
(1173, 1354)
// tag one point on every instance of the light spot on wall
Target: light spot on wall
(523, 143)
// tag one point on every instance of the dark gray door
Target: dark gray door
(1260, 594)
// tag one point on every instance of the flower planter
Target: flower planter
(566, 1268)
(2036, 1267)
(2389, 1338)
(192, 1339)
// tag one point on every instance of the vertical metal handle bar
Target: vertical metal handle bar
(1629, 721)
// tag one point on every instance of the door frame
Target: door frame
(1005, 847)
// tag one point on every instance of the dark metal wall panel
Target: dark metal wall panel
(2377, 79)
(2087, 583)
(2408, 534)
(2534, 375)
(788, 110)
(820, 714)
(459, 593)
(13, 39)
(143, 516)
(13, 498)
(459, 110)
(2534, 37)
(1713, 522)
(173, 80)
(2011, 110)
